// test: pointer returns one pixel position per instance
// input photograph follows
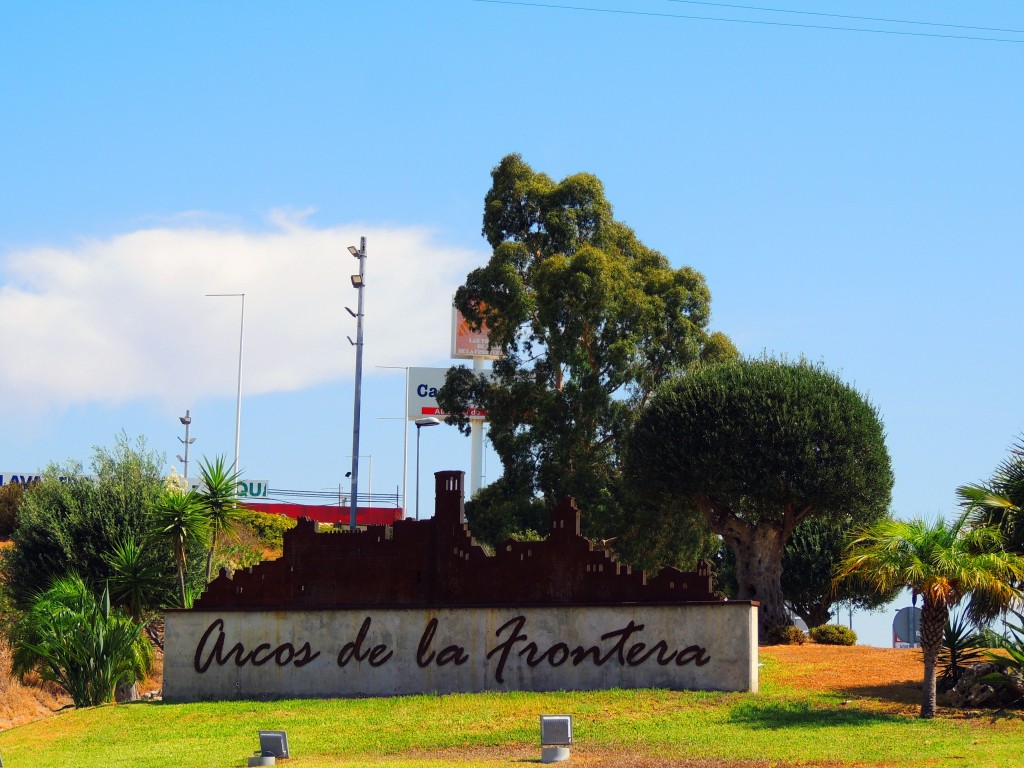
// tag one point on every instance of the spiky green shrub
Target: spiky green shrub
(961, 645)
(80, 642)
(137, 583)
(218, 496)
(1012, 663)
(833, 634)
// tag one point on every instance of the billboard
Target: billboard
(27, 478)
(421, 397)
(467, 343)
(251, 489)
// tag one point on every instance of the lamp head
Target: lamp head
(556, 730)
(357, 281)
(427, 421)
(354, 251)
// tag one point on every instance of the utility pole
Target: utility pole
(359, 283)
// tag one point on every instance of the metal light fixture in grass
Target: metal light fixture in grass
(273, 745)
(555, 738)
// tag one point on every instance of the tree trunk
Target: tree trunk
(933, 622)
(126, 692)
(209, 558)
(814, 614)
(181, 585)
(758, 551)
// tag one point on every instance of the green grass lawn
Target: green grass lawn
(778, 727)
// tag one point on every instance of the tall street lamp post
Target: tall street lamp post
(238, 398)
(359, 283)
(427, 421)
(186, 420)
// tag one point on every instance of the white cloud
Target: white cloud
(127, 317)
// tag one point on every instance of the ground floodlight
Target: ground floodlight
(555, 738)
(273, 744)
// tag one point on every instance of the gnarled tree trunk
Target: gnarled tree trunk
(814, 614)
(759, 573)
(758, 549)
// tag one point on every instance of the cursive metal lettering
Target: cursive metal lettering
(282, 655)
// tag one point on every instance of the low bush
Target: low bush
(269, 528)
(785, 634)
(833, 634)
(10, 501)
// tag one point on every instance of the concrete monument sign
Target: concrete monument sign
(418, 606)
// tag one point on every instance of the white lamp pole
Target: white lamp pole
(427, 421)
(238, 397)
(405, 430)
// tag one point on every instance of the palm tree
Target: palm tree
(942, 563)
(219, 497)
(181, 519)
(1000, 501)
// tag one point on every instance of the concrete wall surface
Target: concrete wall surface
(385, 652)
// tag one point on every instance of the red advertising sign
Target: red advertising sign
(467, 343)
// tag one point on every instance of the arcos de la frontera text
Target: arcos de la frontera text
(424, 599)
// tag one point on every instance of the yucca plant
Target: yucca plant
(180, 519)
(219, 498)
(138, 583)
(962, 644)
(1013, 660)
(80, 642)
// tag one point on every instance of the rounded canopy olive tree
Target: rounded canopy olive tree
(755, 447)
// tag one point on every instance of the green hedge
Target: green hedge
(269, 528)
(833, 634)
(785, 634)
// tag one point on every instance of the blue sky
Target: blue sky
(852, 197)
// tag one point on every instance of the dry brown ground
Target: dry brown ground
(34, 699)
(888, 678)
(23, 703)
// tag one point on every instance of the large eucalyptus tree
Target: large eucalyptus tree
(588, 321)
